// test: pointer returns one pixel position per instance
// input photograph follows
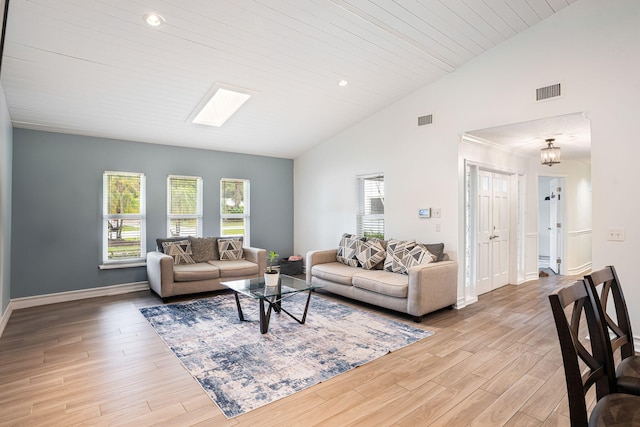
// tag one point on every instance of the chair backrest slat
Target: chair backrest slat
(607, 280)
(597, 359)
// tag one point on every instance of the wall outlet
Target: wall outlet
(435, 212)
(615, 234)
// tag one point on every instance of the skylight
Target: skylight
(221, 105)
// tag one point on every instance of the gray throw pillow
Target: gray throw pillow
(204, 248)
(437, 249)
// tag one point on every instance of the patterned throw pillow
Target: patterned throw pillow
(397, 250)
(348, 250)
(370, 254)
(417, 256)
(180, 251)
(230, 249)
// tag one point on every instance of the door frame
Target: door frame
(516, 225)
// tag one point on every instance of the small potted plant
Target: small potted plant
(271, 276)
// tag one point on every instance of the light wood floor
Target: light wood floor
(97, 361)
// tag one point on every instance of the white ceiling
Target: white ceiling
(571, 132)
(93, 67)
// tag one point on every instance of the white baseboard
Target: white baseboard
(35, 301)
(533, 275)
(465, 301)
(5, 318)
(580, 269)
(104, 291)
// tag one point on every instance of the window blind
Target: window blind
(370, 219)
(235, 209)
(184, 205)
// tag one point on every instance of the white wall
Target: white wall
(592, 47)
(6, 150)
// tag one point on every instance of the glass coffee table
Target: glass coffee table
(273, 297)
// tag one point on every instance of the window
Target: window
(234, 208)
(184, 206)
(371, 206)
(123, 207)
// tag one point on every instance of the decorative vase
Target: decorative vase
(271, 280)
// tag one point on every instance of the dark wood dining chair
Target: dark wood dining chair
(604, 284)
(587, 362)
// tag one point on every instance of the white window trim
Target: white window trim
(361, 216)
(246, 239)
(198, 215)
(141, 216)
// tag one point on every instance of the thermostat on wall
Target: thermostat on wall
(424, 213)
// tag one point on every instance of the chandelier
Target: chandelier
(550, 155)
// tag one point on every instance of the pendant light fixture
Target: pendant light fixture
(550, 155)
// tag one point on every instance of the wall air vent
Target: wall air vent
(547, 92)
(425, 120)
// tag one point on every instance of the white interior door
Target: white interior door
(492, 255)
(500, 240)
(555, 225)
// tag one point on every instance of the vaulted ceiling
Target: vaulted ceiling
(94, 67)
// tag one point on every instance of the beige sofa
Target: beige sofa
(168, 279)
(426, 287)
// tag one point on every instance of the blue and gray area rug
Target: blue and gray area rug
(241, 369)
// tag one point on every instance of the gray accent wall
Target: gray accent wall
(6, 145)
(57, 204)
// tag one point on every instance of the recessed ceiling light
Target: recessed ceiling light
(220, 104)
(153, 19)
(342, 83)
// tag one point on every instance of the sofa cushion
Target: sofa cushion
(382, 282)
(370, 254)
(397, 250)
(230, 249)
(235, 268)
(417, 256)
(191, 272)
(180, 251)
(348, 250)
(204, 248)
(335, 272)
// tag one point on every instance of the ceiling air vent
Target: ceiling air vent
(547, 92)
(425, 120)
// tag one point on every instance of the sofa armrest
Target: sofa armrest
(432, 286)
(160, 273)
(257, 256)
(319, 257)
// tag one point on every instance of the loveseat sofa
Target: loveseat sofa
(191, 265)
(404, 276)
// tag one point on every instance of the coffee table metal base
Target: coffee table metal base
(275, 304)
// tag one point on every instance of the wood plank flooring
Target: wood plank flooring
(98, 362)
